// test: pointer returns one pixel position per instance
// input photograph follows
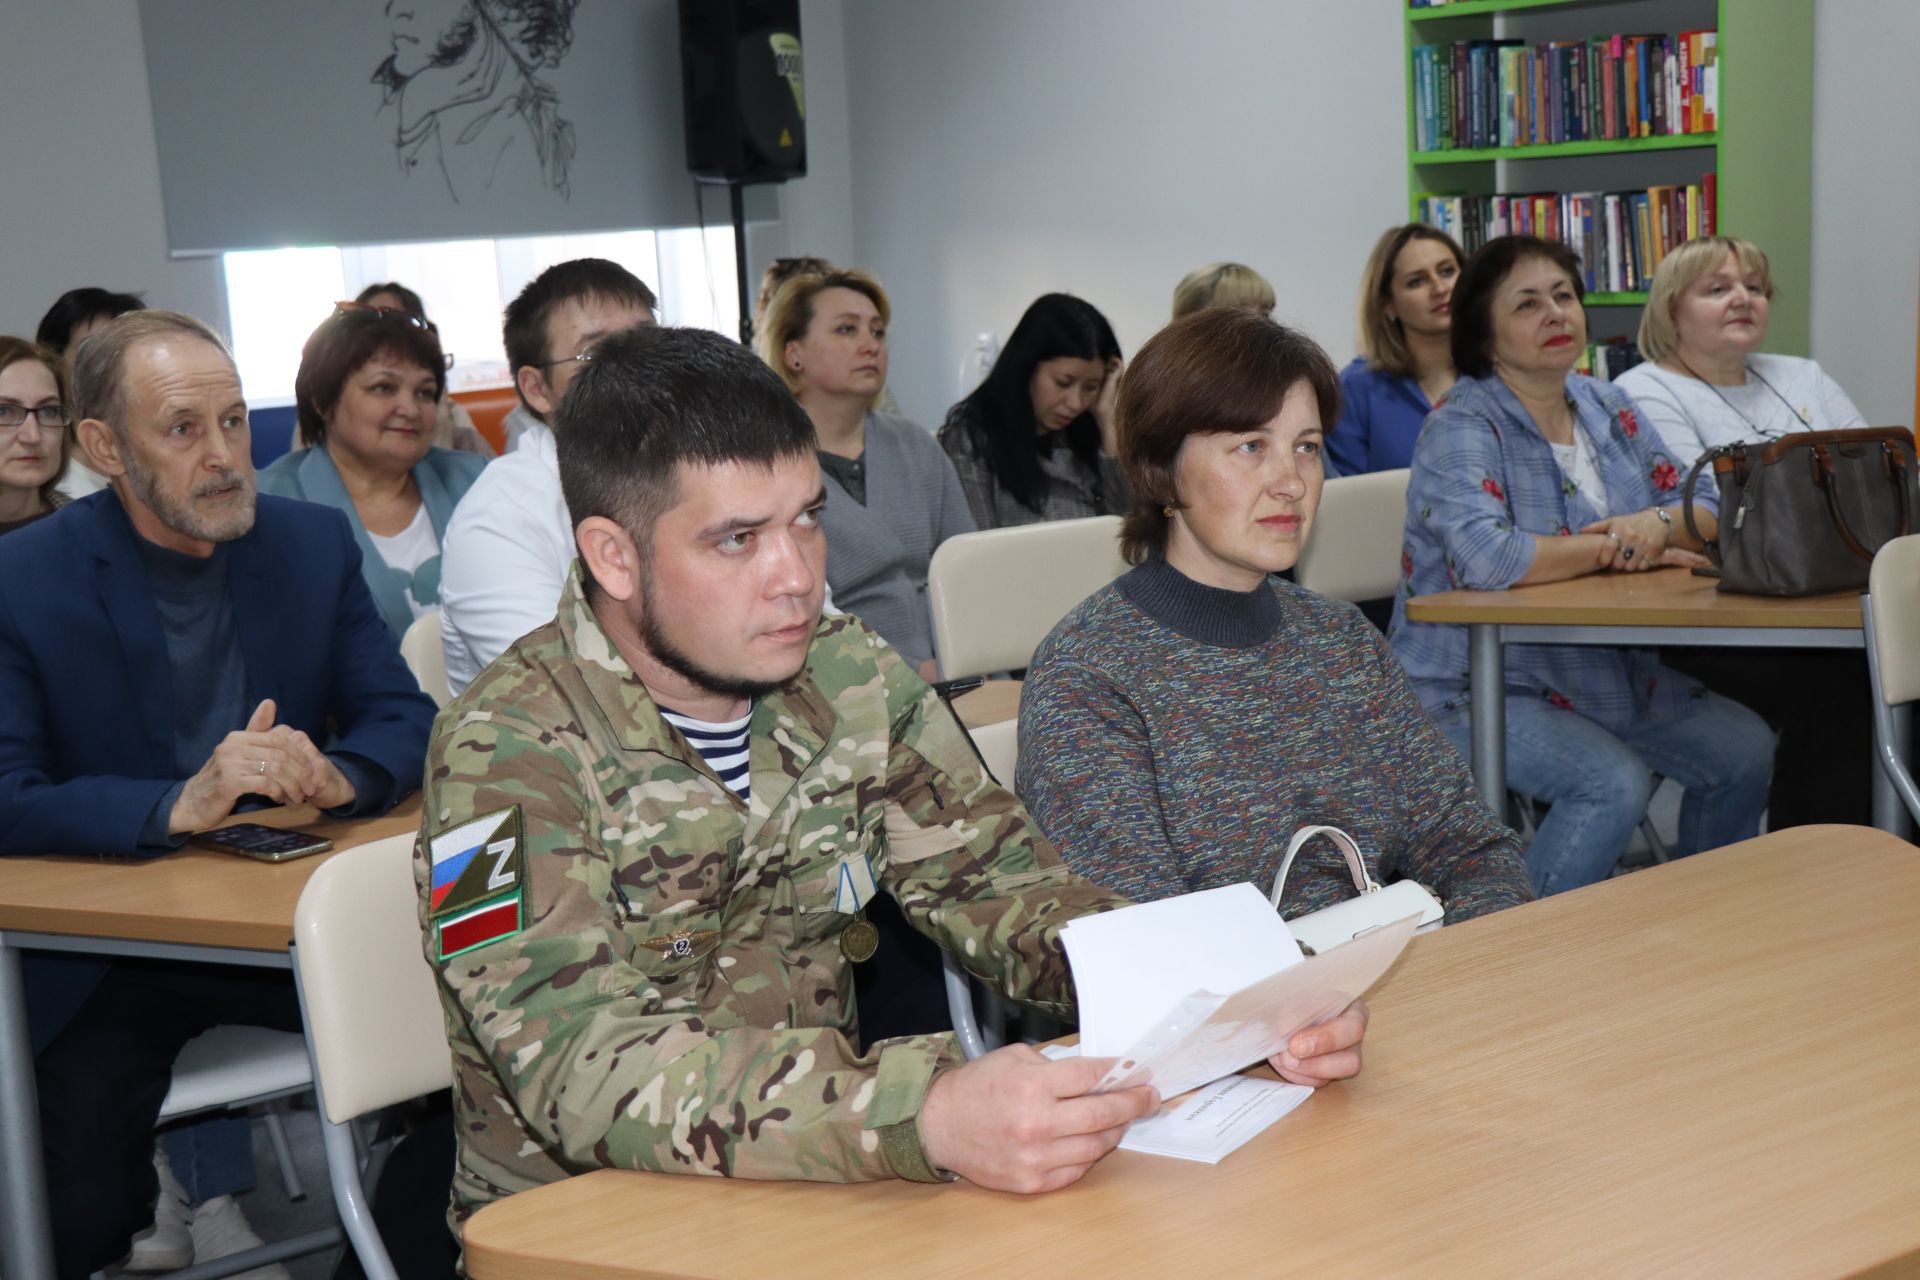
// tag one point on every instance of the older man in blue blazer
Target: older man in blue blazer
(171, 650)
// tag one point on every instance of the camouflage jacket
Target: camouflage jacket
(641, 971)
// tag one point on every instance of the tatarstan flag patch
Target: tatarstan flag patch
(477, 894)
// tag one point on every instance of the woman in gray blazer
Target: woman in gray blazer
(368, 394)
(892, 495)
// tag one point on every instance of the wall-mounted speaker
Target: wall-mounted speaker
(746, 105)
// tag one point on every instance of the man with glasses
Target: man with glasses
(509, 547)
(172, 650)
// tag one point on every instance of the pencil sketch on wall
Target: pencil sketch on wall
(463, 78)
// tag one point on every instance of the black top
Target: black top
(1211, 615)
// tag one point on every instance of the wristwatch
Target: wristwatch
(1665, 519)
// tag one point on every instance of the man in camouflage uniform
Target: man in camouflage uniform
(641, 969)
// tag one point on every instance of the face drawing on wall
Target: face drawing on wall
(462, 78)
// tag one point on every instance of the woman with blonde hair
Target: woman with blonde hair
(34, 418)
(1223, 284)
(1705, 381)
(892, 494)
(1405, 368)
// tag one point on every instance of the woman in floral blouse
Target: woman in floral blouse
(1533, 473)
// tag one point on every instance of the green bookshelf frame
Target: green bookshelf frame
(1762, 154)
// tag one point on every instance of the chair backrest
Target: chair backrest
(1353, 550)
(489, 407)
(425, 657)
(995, 594)
(372, 1002)
(999, 746)
(1894, 585)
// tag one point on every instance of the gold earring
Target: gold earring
(1167, 512)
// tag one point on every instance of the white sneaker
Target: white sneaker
(220, 1230)
(166, 1245)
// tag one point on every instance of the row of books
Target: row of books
(1505, 93)
(1608, 360)
(1621, 236)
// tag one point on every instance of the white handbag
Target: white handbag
(1376, 906)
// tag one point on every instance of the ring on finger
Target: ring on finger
(263, 767)
(1626, 553)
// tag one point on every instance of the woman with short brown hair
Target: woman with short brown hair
(34, 421)
(1181, 724)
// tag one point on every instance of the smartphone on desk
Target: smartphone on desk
(268, 844)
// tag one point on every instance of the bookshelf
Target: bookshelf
(1761, 152)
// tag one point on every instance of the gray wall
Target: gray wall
(1866, 201)
(1002, 148)
(1107, 147)
(1005, 147)
(80, 128)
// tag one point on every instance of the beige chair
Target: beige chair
(1890, 613)
(425, 658)
(999, 748)
(372, 1006)
(1353, 550)
(995, 594)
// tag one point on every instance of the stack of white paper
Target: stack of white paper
(1211, 1123)
(1187, 990)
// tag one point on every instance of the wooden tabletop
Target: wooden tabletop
(1658, 598)
(193, 896)
(992, 702)
(1706, 1068)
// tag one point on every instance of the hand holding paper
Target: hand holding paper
(1187, 990)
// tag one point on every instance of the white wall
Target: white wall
(1866, 201)
(80, 130)
(1004, 148)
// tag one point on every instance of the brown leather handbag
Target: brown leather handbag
(1803, 515)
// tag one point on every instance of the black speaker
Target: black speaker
(740, 71)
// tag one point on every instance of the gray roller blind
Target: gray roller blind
(287, 122)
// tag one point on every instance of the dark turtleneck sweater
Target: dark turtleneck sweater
(1174, 736)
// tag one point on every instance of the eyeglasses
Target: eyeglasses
(419, 322)
(51, 416)
(585, 357)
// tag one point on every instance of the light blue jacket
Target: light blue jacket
(443, 477)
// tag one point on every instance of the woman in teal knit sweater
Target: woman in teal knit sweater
(1182, 723)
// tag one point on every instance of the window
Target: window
(275, 297)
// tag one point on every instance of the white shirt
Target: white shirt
(508, 550)
(1693, 417)
(407, 550)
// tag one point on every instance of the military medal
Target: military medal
(859, 940)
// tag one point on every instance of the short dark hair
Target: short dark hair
(999, 412)
(409, 300)
(653, 398)
(345, 341)
(77, 306)
(525, 331)
(1208, 373)
(1480, 279)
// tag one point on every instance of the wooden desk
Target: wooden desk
(191, 905)
(1704, 1069)
(1663, 607)
(992, 702)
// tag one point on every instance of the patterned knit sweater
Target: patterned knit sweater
(1174, 736)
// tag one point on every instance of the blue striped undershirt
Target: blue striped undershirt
(722, 745)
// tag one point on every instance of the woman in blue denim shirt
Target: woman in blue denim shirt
(1533, 473)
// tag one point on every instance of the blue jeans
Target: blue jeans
(1598, 785)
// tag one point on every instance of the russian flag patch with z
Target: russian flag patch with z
(478, 888)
